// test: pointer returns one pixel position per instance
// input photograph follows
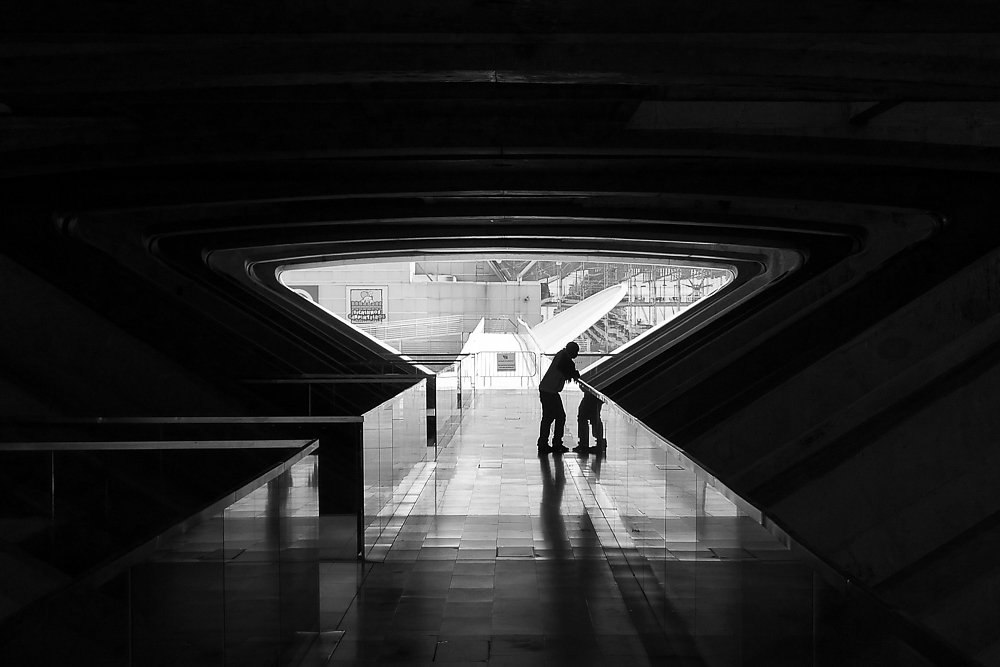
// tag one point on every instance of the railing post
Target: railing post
(432, 411)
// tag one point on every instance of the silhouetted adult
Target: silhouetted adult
(589, 412)
(552, 383)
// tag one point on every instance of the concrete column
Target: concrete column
(341, 490)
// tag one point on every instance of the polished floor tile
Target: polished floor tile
(488, 554)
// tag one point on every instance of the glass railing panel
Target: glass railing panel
(409, 442)
(717, 622)
(179, 599)
(722, 578)
(396, 461)
(448, 402)
(374, 497)
(706, 563)
(467, 379)
(455, 387)
(412, 456)
(158, 577)
(238, 586)
(250, 559)
(298, 530)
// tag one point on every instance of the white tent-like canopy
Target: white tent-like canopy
(553, 334)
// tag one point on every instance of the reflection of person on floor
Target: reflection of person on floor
(595, 463)
(590, 411)
(553, 526)
(561, 369)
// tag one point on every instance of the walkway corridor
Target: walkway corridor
(494, 555)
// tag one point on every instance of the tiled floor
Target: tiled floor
(494, 555)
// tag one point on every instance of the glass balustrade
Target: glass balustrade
(240, 587)
(235, 584)
(454, 392)
(397, 459)
(714, 572)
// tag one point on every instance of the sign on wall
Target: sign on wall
(506, 361)
(367, 304)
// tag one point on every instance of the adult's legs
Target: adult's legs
(545, 424)
(551, 410)
(560, 421)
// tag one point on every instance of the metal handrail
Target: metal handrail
(279, 419)
(370, 378)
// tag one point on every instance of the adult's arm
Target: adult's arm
(568, 368)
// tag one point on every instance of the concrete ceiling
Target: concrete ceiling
(99, 84)
(203, 144)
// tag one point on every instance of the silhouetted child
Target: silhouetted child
(590, 411)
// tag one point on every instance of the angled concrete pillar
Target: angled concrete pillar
(341, 488)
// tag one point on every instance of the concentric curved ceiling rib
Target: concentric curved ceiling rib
(228, 254)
